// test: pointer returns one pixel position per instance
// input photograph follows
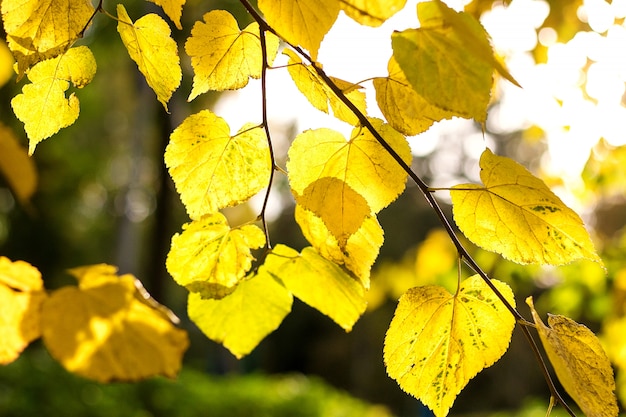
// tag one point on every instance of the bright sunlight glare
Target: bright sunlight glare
(575, 97)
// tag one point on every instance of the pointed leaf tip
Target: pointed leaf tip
(438, 341)
(516, 215)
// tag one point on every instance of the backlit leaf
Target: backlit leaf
(301, 22)
(342, 209)
(21, 296)
(319, 283)
(224, 57)
(320, 95)
(103, 330)
(211, 168)
(210, 258)
(440, 66)
(580, 363)
(438, 341)
(6, 63)
(371, 12)
(404, 109)
(516, 215)
(361, 162)
(15, 165)
(242, 319)
(149, 43)
(173, 9)
(42, 106)
(357, 254)
(42, 29)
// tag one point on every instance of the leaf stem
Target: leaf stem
(262, 217)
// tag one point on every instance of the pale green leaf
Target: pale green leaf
(149, 43)
(210, 258)
(440, 66)
(224, 57)
(405, 110)
(241, 320)
(580, 362)
(438, 341)
(516, 215)
(319, 283)
(211, 168)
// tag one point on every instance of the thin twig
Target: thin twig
(427, 192)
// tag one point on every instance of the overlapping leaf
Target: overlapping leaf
(211, 258)
(301, 22)
(241, 320)
(318, 282)
(438, 341)
(441, 66)
(320, 95)
(15, 166)
(579, 361)
(173, 9)
(404, 109)
(516, 215)
(212, 169)
(43, 29)
(21, 297)
(224, 57)
(149, 43)
(357, 254)
(42, 106)
(104, 330)
(371, 12)
(361, 163)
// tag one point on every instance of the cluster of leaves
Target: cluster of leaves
(437, 340)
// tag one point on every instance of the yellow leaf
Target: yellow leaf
(404, 109)
(222, 56)
(362, 163)
(319, 283)
(359, 252)
(441, 67)
(211, 258)
(149, 43)
(614, 334)
(437, 341)
(212, 169)
(42, 29)
(320, 95)
(42, 106)
(436, 256)
(516, 215)
(15, 165)
(173, 9)
(342, 209)
(371, 12)
(102, 329)
(6, 63)
(21, 296)
(301, 22)
(580, 363)
(242, 319)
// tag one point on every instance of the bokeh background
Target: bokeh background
(104, 196)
